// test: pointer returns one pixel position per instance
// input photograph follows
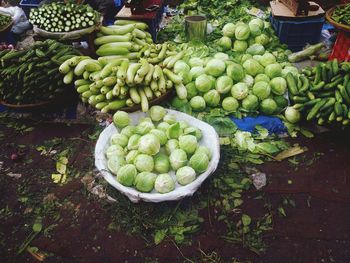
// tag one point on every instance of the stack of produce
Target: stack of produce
(341, 15)
(110, 83)
(323, 93)
(126, 38)
(159, 153)
(256, 84)
(63, 17)
(4, 21)
(30, 76)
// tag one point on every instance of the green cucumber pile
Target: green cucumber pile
(4, 20)
(109, 84)
(125, 38)
(323, 92)
(63, 17)
(31, 76)
(158, 153)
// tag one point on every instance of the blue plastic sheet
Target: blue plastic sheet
(272, 124)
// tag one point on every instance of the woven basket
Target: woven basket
(337, 25)
(6, 27)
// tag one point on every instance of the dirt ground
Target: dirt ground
(316, 230)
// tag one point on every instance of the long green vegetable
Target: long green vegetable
(32, 75)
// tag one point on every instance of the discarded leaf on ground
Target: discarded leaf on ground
(296, 150)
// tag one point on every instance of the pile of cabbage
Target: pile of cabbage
(159, 153)
(253, 84)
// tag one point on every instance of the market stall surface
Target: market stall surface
(307, 196)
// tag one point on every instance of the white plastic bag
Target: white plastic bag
(20, 21)
(210, 139)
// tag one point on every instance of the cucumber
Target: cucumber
(112, 38)
(117, 30)
(292, 85)
(315, 109)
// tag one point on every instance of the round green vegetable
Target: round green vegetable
(144, 163)
(126, 174)
(133, 143)
(273, 70)
(161, 135)
(164, 183)
(250, 103)
(235, 71)
(223, 84)
(171, 145)
(278, 85)
(262, 90)
(240, 46)
(292, 115)
(115, 163)
(121, 119)
(268, 106)
(174, 131)
(212, 98)
(193, 131)
(157, 113)
(119, 139)
(239, 91)
(199, 162)
(203, 149)
(215, 67)
(144, 182)
(161, 163)
(185, 175)
(229, 30)
(188, 143)
(178, 159)
(115, 150)
(242, 32)
(230, 104)
(197, 103)
(149, 144)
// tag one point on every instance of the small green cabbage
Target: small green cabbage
(144, 127)
(199, 162)
(115, 150)
(253, 67)
(121, 119)
(262, 90)
(257, 22)
(245, 57)
(174, 131)
(171, 145)
(196, 62)
(130, 157)
(183, 125)
(185, 175)
(157, 113)
(144, 163)
(230, 104)
(149, 144)
(126, 174)
(290, 69)
(262, 39)
(144, 182)
(223, 84)
(128, 130)
(268, 106)
(161, 163)
(273, 70)
(242, 32)
(235, 71)
(193, 131)
(163, 126)
(278, 85)
(197, 71)
(181, 66)
(256, 49)
(225, 43)
(212, 98)
(292, 115)
(222, 56)
(249, 80)
(119, 139)
(255, 30)
(250, 103)
(133, 143)
(186, 77)
(267, 59)
(188, 143)
(205, 150)
(197, 103)
(164, 183)
(170, 118)
(262, 77)
(178, 159)
(203, 83)
(215, 67)
(115, 163)
(191, 90)
(239, 91)
(161, 135)
(229, 30)
(240, 45)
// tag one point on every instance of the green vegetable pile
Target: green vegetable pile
(250, 82)
(63, 17)
(110, 83)
(30, 76)
(126, 38)
(341, 15)
(323, 93)
(156, 153)
(4, 21)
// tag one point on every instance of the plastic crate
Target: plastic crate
(26, 5)
(341, 48)
(297, 33)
